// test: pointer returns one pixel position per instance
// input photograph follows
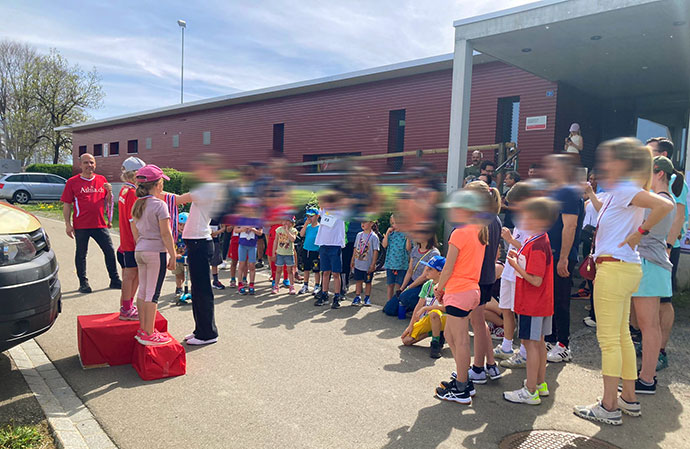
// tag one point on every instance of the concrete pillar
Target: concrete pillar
(459, 114)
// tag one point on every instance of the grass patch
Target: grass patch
(22, 437)
(54, 210)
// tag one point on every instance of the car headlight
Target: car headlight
(16, 248)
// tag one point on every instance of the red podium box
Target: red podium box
(106, 340)
(159, 362)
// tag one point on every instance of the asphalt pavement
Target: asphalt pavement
(287, 374)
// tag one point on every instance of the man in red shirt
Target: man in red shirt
(125, 253)
(86, 194)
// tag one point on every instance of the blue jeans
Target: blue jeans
(409, 298)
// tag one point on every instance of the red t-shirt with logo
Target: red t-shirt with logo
(537, 261)
(88, 198)
(125, 203)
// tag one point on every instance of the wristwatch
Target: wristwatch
(643, 231)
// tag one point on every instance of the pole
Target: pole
(182, 71)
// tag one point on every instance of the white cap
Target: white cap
(133, 164)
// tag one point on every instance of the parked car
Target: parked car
(30, 296)
(23, 187)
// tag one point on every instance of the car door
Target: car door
(56, 185)
(38, 185)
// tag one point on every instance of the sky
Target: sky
(230, 45)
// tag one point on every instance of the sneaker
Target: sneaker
(522, 396)
(154, 339)
(516, 361)
(589, 322)
(454, 376)
(84, 287)
(189, 337)
(275, 290)
(178, 291)
(357, 301)
(196, 342)
(292, 290)
(367, 302)
(304, 289)
(549, 346)
(259, 264)
(286, 282)
(629, 408)
(582, 293)
(453, 394)
(336, 302)
(597, 412)
(139, 333)
(223, 266)
(252, 291)
(542, 389)
(641, 388)
(321, 299)
(662, 362)
(497, 333)
(242, 290)
(559, 353)
(233, 283)
(129, 315)
(115, 284)
(217, 285)
(435, 349)
(317, 289)
(502, 355)
(493, 372)
(477, 378)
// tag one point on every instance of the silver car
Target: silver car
(24, 187)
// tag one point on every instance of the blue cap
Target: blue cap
(436, 262)
(182, 218)
(311, 212)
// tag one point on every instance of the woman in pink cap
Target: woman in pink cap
(151, 230)
(574, 142)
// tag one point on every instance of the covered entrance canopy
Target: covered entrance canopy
(622, 66)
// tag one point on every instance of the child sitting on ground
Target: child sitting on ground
(533, 265)
(364, 256)
(284, 251)
(181, 250)
(428, 318)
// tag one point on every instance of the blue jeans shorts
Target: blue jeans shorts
(330, 258)
(395, 276)
(285, 260)
(246, 253)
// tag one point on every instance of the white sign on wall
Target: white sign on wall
(535, 123)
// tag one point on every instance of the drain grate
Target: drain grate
(552, 439)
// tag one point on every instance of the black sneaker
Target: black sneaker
(336, 302)
(322, 299)
(453, 394)
(442, 339)
(84, 287)
(435, 349)
(116, 284)
(641, 388)
(178, 291)
(259, 264)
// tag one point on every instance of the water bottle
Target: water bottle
(402, 310)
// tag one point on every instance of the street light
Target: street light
(183, 25)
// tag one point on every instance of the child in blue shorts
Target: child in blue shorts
(330, 238)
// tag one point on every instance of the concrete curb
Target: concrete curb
(72, 423)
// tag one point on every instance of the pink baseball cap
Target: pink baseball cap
(150, 173)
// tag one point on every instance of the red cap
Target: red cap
(150, 173)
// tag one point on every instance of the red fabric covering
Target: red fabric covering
(107, 339)
(159, 362)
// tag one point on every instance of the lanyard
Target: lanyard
(361, 248)
(420, 259)
(530, 240)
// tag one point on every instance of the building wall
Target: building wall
(342, 120)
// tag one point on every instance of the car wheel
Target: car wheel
(21, 197)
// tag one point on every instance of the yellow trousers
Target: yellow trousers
(613, 287)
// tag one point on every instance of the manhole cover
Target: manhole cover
(552, 439)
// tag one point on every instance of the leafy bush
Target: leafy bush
(180, 182)
(64, 170)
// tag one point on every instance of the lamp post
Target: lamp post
(183, 25)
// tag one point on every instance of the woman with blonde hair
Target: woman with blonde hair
(626, 167)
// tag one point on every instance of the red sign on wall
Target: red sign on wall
(535, 123)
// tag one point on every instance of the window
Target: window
(278, 137)
(132, 146)
(207, 137)
(331, 167)
(53, 179)
(176, 140)
(148, 143)
(82, 149)
(396, 138)
(16, 178)
(114, 148)
(508, 119)
(98, 149)
(41, 179)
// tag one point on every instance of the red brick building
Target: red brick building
(394, 108)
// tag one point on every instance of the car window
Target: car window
(16, 178)
(36, 178)
(55, 179)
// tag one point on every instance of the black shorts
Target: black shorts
(126, 259)
(310, 260)
(454, 311)
(361, 275)
(485, 293)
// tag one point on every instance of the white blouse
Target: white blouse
(618, 218)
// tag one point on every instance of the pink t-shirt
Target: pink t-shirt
(148, 225)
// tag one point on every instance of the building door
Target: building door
(396, 138)
(507, 126)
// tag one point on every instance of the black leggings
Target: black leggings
(102, 238)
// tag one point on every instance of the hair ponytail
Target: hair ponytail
(484, 235)
(143, 189)
(677, 187)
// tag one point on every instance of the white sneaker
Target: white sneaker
(477, 378)
(516, 361)
(559, 353)
(189, 337)
(597, 412)
(223, 266)
(589, 322)
(549, 346)
(522, 396)
(196, 342)
(502, 355)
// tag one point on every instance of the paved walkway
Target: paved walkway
(287, 374)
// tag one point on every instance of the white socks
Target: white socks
(507, 345)
(523, 351)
